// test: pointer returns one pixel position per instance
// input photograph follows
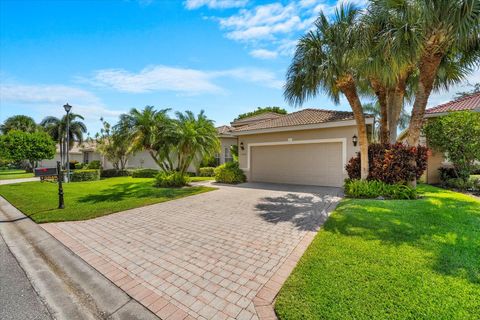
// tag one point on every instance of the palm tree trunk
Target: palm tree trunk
(348, 88)
(381, 94)
(397, 103)
(428, 71)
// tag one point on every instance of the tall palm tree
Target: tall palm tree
(432, 33)
(325, 60)
(57, 129)
(148, 130)
(19, 122)
(195, 139)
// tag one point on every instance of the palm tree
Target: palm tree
(19, 122)
(195, 137)
(57, 128)
(375, 109)
(148, 130)
(325, 60)
(433, 33)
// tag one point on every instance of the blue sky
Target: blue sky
(105, 57)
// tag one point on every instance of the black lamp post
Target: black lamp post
(355, 140)
(67, 108)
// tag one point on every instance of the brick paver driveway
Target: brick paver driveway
(218, 255)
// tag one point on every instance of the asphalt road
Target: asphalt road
(18, 300)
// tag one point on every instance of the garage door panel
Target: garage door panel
(309, 164)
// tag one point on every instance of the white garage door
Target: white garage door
(309, 164)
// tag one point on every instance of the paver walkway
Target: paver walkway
(12, 181)
(218, 255)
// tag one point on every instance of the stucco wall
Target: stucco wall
(326, 133)
(226, 143)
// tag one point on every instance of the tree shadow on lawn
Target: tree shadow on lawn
(446, 227)
(125, 191)
(305, 212)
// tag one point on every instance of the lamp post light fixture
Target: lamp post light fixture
(355, 140)
(67, 108)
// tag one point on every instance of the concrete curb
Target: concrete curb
(70, 288)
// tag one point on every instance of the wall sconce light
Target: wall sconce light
(355, 140)
(241, 146)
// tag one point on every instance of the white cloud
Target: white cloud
(215, 4)
(263, 54)
(182, 80)
(156, 78)
(53, 97)
(262, 22)
(274, 26)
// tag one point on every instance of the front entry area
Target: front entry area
(318, 164)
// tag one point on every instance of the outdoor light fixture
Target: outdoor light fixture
(355, 140)
(241, 146)
(67, 108)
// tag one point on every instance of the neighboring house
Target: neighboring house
(309, 147)
(437, 159)
(227, 140)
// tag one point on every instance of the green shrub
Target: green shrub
(85, 175)
(374, 189)
(79, 165)
(171, 180)
(229, 172)
(144, 173)
(206, 172)
(110, 173)
(95, 164)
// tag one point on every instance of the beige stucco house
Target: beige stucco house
(437, 160)
(309, 147)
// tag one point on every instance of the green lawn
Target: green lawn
(14, 174)
(86, 200)
(198, 179)
(417, 259)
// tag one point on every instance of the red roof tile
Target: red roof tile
(471, 102)
(302, 117)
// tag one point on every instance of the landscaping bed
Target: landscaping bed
(395, 259)
(89, 199)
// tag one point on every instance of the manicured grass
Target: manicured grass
(14, 174)
(198, 179)
(403, 259)
(86, 200)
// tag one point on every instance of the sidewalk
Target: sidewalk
(69, 287)
(11, 181)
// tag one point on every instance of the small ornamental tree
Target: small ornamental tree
(457, 135)
(391, 163)
(24, 146)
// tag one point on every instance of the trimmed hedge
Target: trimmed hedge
(229, 172)
(144, 173)
(85, 175)
(391, 163)
(95, 164)
(373, 189)
(171, 180)
(206, 172)
(110, 173)
(79, 165)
